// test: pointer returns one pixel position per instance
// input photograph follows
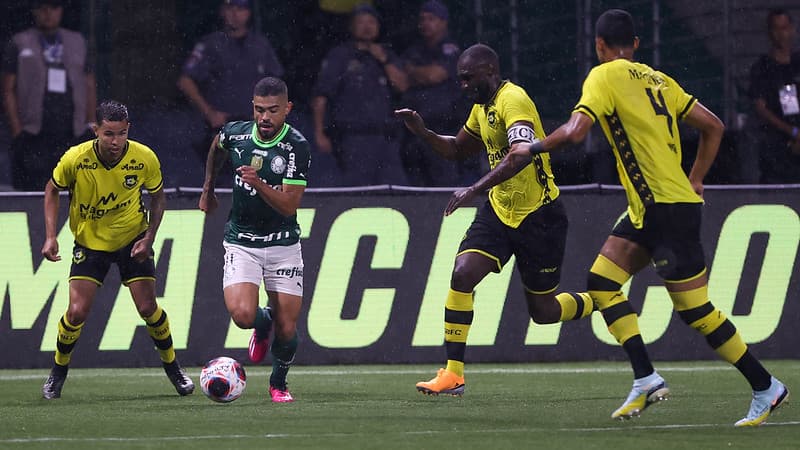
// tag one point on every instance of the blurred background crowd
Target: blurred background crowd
(185, 67)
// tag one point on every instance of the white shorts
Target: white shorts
(279, 267)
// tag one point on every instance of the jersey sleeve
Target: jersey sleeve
(596, 100)
(681, 101)
(224, 135)
(64, 173)
(153, 181)
(473, 127)
(298, 165)
(518, 107)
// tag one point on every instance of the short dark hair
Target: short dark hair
(616, 28)
(111, 111)
(270, 86)
(776, 12)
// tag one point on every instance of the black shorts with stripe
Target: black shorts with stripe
(93, 265)
(671, 233)
(538, 243)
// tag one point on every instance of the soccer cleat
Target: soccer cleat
(764, 402)
(639, 399)
(54, 383)
(280, 395)
(258, 347)
(445, 382)
(183, 384)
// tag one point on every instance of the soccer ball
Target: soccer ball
(223, 379)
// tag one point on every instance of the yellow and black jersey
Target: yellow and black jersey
(105, 210)
(639, 109)
(534, 186)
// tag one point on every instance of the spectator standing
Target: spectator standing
(433, 92)
(219, 75)
(352, 105)
(774, 82)
(45, 65)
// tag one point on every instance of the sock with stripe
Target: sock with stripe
(158, 328)
(605, 287)
(575, 305)
(696, 311)
(457, 321)
(68, 335)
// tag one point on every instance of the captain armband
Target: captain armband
(520, 133)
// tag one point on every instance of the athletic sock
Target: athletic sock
(457, 321)
(282, 357)
(263, 322)
(68, 335)
(575, 305)
(158, 328)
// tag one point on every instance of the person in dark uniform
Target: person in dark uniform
(434, 93)
(352, 105)
(774, 84)
(223, 67)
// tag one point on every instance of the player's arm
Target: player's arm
(214, 162)
(143, 247)
(521, 154)
(51, 203)
(460, 146)
(285, 201)
(711, 130)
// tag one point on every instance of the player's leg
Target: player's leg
(539, 243)
(681, 264)
(469, 269)
(242, 275)
(87, 272)
(618, 260)
(283, 281)
(140, 278)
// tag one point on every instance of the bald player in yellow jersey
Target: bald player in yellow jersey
(105, 177)
(638, 109)
(522, 217)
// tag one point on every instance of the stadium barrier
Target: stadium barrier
(377, 267)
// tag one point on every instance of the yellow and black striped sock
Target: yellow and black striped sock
(457, 320)
(68, 334)
(695, 310)
(605, 284)
(575, 305)
(158, 328)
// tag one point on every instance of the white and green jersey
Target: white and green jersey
(284, 159)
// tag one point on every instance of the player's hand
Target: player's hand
(698, 187)
(50, 249)
(412, 119)
(249, 175)
(142, 249)
(208, 202)
(323, 142)
(458, 199)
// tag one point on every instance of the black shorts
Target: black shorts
(538, 243)
(671, 233)
(93, 265)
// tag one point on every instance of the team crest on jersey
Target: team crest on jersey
(78, 256)
(278, 164)
(130, 181)
(492, 118)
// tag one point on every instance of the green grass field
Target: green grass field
(512, 406)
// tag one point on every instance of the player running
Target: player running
(262, 237)
(638, 109)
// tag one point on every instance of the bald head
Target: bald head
(480, 54)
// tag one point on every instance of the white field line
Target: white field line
(397, 433)
(343, 371)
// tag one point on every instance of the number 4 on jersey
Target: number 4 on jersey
(660, 107)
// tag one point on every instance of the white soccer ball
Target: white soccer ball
(223, 379)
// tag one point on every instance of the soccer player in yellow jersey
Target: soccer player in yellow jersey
(105, 177)
(638, 109)
(522, 217)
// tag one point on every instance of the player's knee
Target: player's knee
(77, 314)
(146, 309)
(463, 278)
(243, 318)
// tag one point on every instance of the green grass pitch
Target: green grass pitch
(506, 406)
